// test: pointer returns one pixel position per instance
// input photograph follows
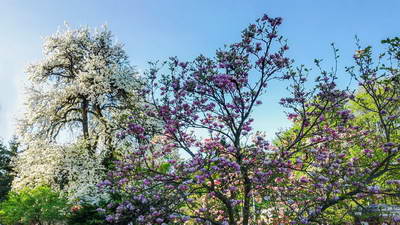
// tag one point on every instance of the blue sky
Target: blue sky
(153, 30)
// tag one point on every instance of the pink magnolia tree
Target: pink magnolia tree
(230, 174)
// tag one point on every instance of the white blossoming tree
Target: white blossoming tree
(73, 98)
(68, 168)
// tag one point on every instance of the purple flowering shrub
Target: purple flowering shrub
(208, 166)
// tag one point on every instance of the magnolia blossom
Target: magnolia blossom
(335, 156)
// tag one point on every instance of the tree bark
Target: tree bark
(85, 124)
(246, 205)
(85, 119)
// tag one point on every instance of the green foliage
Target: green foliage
(393, 46)
(39, 206)
(165, 167)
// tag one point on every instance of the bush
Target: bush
(39, 205)
(86, 214)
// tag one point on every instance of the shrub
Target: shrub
(39, 205)
(86, 214)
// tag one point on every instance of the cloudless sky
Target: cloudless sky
(157, 29)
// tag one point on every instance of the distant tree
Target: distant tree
(6, 168)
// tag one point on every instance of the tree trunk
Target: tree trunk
(85, 120)
(246, 204)
(85, 124)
